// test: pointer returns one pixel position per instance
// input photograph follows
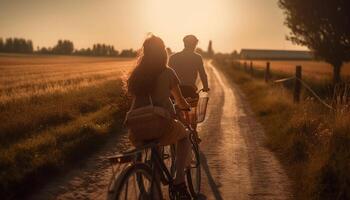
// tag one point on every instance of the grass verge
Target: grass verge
(312, 142)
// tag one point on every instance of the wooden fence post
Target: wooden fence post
(251, 67)
(267, 72)
(297, 84)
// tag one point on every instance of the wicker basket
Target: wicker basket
(202, 108)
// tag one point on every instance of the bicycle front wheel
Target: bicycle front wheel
(136, 183)
(193, 174)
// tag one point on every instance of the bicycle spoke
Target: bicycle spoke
(126, 190)
(135, 187)
(194, 173)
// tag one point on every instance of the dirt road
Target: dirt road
(236, 165)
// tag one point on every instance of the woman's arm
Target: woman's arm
(179, 99)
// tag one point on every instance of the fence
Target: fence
(297, 78)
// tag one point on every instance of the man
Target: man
(188, 64)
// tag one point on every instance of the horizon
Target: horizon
(125, 24)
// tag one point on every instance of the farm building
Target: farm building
(275, 54)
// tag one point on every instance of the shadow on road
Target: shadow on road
(211, 181)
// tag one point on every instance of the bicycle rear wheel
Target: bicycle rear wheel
(173, 160)
(136, 183)
(193, 174)
(169, 155)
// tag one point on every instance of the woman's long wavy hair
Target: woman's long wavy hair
(152, 61)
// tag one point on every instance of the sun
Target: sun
(174, 19)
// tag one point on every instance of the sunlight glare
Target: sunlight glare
(174, 19)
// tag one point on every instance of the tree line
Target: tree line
(16, 45)
(105, 50)
(63, 47)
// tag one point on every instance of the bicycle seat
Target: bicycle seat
(130, 155)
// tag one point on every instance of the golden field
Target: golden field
(53, 109)
(312, 69)
(29, 76)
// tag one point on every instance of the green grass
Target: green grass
(312, 142)
(42, 135)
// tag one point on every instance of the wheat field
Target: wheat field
(313, 69)
(54, 108)
(28, 76)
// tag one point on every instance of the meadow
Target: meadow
(53, 109)
(311, 69)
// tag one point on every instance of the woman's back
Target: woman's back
(161, 91)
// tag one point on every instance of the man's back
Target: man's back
(188, 64)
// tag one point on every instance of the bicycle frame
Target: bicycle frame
(159, 166)
(160, 169)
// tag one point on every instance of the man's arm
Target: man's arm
(203, 75)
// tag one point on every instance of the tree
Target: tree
(128, 53)
(235, 55)
(44, 50)
(29, 46)
(98, 49)
(63, 47)
(114, 52)
(16, 45)
(322, 26)
(104, 50)
(9, 45)
(1, 45)
(88, 52)
(94, 50)
(68, 47)
(210, 51)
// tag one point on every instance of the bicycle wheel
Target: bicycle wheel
(136, 183)
(173, 159)
(168, 156)
(193, 174)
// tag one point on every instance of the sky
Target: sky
(230, 24)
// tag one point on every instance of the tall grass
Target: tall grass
(312, 142)
(43, 132)
(44, 140)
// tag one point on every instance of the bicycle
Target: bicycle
(193, 174)
(146, 168)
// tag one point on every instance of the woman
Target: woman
(153, 78)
